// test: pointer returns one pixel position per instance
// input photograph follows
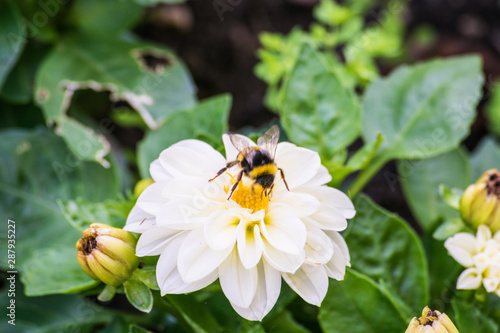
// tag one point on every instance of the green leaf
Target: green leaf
(36, 170)
(449, 228)
(138, 294)
(284, 323)
(117, 324)
(148, 277)
(80, 213)
(20, 116)
(357, 304)
(492, 110)
(468, 318)
(54, 271)
(107, 293)
(421, 180)
(331, 13)
(206, 121)
(256, 329)
(360, 160)
(385, 248)
(155, 2)
(137, 329)
(486, 156)
(18, 87)
(443, 272)
(451, 196)
(83, 62)
(105, 17)
(196, 314)
(50, 314)
(12, 38)
(423, 110)
(317, 111)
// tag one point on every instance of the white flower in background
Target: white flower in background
(481, 256)
(248, 242)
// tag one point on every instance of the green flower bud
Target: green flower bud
(107, 254)
(431, 321)
(480, 202)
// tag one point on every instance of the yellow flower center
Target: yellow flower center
(252, 197)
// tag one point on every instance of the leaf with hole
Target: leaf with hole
(148, 77)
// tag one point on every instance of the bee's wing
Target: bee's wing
(239, 142)
(269, 141)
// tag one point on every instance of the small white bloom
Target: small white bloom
(249, 242)
(481, 256)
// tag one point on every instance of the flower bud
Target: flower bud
(107, 254)
(142, 185)
(480, 202)
(431, 321)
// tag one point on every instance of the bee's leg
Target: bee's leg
(221, 171)
(235, 185)
(283, 177)
(270, 191)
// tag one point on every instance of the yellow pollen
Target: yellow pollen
(252, 197)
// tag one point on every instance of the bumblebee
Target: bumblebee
(256, 162)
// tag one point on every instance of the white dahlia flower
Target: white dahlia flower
(248, 242)
(480, 255)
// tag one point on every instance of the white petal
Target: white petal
(268, 290)
(332, 197)
(321, 177)
(299, 164)
(151, 199)
(497, 236)
(462, 247)
(491, 284)
(179, 216)
(299, 204)
(329, 218)
(250, 245)
(196, 191)
(168, 259)
(335, 268)
(494, 269)
(192, 158)
(168, 276)
(340, 242)
(139, 221)
(200, 147)
(310, 282)
(319, 247)
(491, 248)
(231, 151)
(483, 235)
(153, 241)
(174, 284)
(282, 261)
(284, 231)
(196, 259)
(469, 279)
(220, 228)
(157, 172)
(238, 283)
(481, 261)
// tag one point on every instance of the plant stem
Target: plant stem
(367, 174)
